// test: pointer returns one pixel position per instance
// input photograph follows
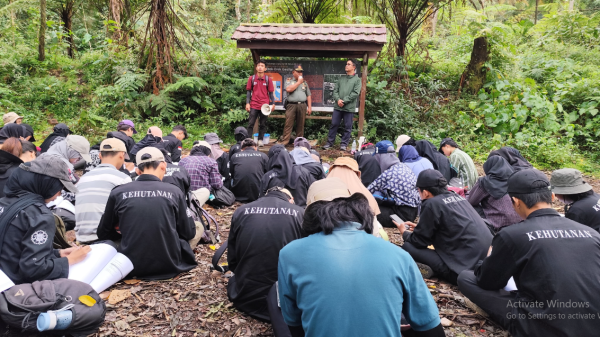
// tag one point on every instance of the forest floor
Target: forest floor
(195, 303)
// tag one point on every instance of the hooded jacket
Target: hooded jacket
(60, 130)
(11, 130)
(148, 140)
(368, 165)
(129, 142)
(284, 173)
(246, 169)
(8, 163)
(304, 159)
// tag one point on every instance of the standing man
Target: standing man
(297, 99)
(345, 94)
(173, 143)
(259, 91)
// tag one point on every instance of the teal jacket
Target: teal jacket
(347, 88)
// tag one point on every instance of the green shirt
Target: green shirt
(465, 167)
(347, 88)
(300, 94)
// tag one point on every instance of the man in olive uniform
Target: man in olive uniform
(298, 104)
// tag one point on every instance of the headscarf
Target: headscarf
(60, 130)
(64, 152)
(301, 157)
(385, 155)
(497, 171)
(301, 141)
(28, 131)
(273, 152)
(215, 151)
(11, 130)
(346, 169)
(439, 161)
(285, 169)
(24, 181)
(240, 134)
(408, 154)
(513, 157)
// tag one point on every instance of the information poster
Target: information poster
(319, 75)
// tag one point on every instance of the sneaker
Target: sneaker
(326, 146)
(260, 143)
(425, 270)
(343, 147)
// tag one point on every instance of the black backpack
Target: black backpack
(223, 197)
(21, 305)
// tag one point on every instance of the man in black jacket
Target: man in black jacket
(152, 221)
(367, 164)
(555, 263)
(258, 232)
(450, 224)
(239, 134)
(247, 169)
(125, 130)
(173, 143)
(153, 136)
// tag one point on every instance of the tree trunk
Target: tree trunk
(115, 8)
(249, 8)
(536, 12)
(571, 4)
(474, 76)
(434, 19)
(42, 32)
(238, 14)
(66, 15)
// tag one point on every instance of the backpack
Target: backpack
(202, 216)
(21, 305)
(266, 81)
(223, 197)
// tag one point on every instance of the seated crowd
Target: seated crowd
(307, 246)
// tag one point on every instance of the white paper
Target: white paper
(511, 285)
(113, 272)
(5, 282)
(86, 270)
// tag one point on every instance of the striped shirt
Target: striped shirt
(94, 189)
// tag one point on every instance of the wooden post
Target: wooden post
(255, 59)
(363, 94)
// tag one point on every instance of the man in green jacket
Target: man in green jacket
(345, 94)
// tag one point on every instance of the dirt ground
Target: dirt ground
(195, 303)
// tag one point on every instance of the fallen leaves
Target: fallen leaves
(117, 296)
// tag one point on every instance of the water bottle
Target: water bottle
(354, 146)
(54, 320)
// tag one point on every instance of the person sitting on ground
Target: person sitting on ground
(239, 134)
(176, 175)
(582, 204)
(247, 168)
(346, 169)
(513, 157)
(440, 163)
(9, 160)
(61, 131)
(153, 136)
(395, 187)
(555, 263)
(28, 132)
(258, 232)
(173, 143)
(464, 165)
(449, 223)
(12, 118)
(95, 186)
(11, 130)
(203, 170)
(302, 157)
(28, 151)
(367, 164)
(490, 193)
(219, 155)
(283, 173)
(26, 253)
(410, 157)
(313, 274)
(151, 220)
(125, 129)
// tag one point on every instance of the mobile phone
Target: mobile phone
(396, 218)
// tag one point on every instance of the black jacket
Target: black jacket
(316, 170)
(154, 226)
(27, 254)
(178, 176)
(556, 263)
(247, 169)
(223, 162)
(148, 140)
(453, 227)
(8, 163)
(129, 142)
(173, 147)
(368, 166)
(305, 179)
(258, 232)
(586, 211)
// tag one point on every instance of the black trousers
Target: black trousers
(280, 329)
(336, 119)
(262, 123)
(405, 213)
(493, 302)
(432, 259)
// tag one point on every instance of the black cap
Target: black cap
(522, 182)
(431, 178)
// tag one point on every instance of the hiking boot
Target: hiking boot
(425, 270)
(326, 146)
(475, 307)
(260, 143)
(343, 147)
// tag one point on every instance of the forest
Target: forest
(91, 63)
